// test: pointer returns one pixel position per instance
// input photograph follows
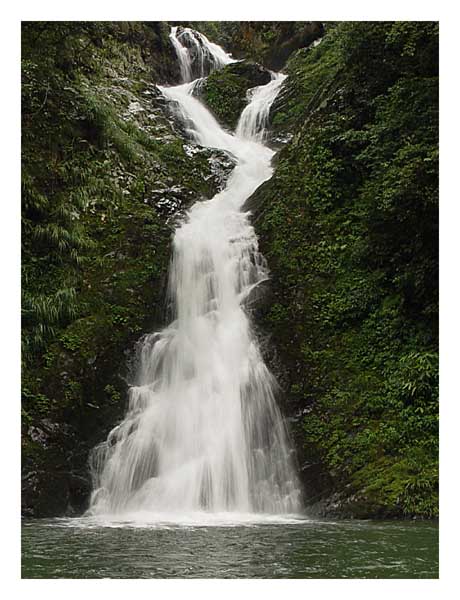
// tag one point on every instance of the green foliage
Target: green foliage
(312, 74)
(34, 403)
(44, 313)
(348, 225)
(88, 164)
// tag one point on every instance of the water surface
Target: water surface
(85, 548)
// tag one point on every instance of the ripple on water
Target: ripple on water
(293, 548)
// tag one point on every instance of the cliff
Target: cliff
(348, 225)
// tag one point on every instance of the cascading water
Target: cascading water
(203, 431)
(254, 118)
(197, 56)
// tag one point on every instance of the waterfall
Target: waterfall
(197, 56)
(203, 431)
(254, 118)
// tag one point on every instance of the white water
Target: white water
(254, 118)
(197, 56)
(203, 431)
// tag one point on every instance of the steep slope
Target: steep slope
(348, 224)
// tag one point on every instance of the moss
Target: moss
(225, 91)
(349, 230)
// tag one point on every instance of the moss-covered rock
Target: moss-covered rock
(225, 91)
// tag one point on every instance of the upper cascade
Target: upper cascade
(197, 56)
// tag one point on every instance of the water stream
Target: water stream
(203, 432)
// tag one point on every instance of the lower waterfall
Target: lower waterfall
(203, 431)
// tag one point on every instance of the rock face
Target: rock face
(270, 43)
(49, 486)
(291, 41)
(254, 73)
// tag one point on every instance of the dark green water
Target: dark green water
(66, 548)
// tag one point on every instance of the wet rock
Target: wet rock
(221, 165)
(37, 435)
(43, 494)
(169, 200)
(48, 493)
(254, 73)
